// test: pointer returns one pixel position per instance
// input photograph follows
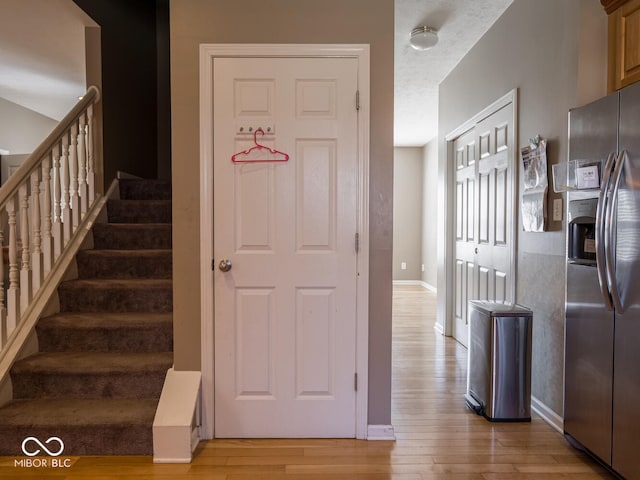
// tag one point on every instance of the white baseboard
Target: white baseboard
(411, 283)
(438, 328)
(429, 287)
(381, 432)
(548, 415)
(416, 283)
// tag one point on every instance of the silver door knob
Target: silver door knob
(224, 265)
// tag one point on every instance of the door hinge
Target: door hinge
(213, 264)
(355, 382)
(357, 100)
(357, 242)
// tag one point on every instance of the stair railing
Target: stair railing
(41, 207)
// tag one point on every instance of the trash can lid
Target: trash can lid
(504, 309)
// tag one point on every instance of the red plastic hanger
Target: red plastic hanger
(272, 155)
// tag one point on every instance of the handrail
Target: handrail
(13, 183)
(42, 206)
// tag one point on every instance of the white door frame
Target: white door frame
(208, 52)
(446, 240)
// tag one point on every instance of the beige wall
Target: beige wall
(546, 50)
(194, 22)
(407, 213)
(21, 129)
(430, 213)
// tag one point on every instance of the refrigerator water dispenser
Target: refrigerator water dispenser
(582, 230)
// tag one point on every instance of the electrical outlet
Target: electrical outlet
(422, 267)
(403, 266)
(557, 210)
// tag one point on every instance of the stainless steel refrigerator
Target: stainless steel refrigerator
(602, 330)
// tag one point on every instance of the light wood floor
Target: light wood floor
(437, 437)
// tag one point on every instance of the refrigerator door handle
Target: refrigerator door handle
(600, 231)
(610, 229)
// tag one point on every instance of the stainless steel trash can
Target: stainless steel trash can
(499, 361)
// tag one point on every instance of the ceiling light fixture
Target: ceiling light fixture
(423, 38)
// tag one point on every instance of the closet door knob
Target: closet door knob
(224, 265)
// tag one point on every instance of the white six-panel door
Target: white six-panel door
(285, 313)
(465, 230)
(484, 215)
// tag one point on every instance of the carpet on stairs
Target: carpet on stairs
(96, 380)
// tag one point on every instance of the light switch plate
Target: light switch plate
(557, 210)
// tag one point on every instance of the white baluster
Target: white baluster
(47, 233)
(57, 202)
(37, 267)
(73, 172)
(91, 178)
(13, 292)
(83, 189)
(66, 200)
(3, 307)
(25, 270)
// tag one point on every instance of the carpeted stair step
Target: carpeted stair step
(130, 236)
(119, 295)
(124, 263)
(90, 375)
(139, 211)
(86, 426)
(106, 332)
(144, 189)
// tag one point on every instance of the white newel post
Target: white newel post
(47, 233)
(13, 292)
(25, 270)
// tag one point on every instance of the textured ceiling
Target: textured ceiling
(460, 24)
(42, 65)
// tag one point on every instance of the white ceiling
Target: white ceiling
(42, 56)
(460, 24)
(42, 65)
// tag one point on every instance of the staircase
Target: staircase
(96, 380)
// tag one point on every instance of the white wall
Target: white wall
(553, 53)
(282, 21)
(430, 212)
(21, 129)
(407, 212)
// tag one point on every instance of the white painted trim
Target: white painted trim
(381, 432)
(176, 415)
(206, 243)
(207, 54)
(548, 415)
(409, 283)
(416, 283)
(437, 326)
(445, 308)
(429, 287)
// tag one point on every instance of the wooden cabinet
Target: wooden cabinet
(624, 42)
